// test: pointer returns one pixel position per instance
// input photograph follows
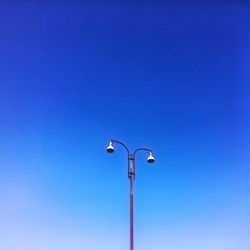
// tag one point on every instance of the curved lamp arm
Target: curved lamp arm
(121, 144)
(144, 149)
(140, 149)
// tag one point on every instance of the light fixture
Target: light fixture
(131, 176)
(110, 148)
(151, 159)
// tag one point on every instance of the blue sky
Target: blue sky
(171, 77)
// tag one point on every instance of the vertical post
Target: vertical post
(131, 176)
(131, 204)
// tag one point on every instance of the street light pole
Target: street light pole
(131, 176)
(131, 203)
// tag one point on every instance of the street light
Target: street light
(151, 159)
(110, 148)
(131, 176)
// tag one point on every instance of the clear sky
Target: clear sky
(171, 77)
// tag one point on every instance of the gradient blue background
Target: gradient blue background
(172, 77)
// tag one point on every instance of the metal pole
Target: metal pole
(131, 176)
(131, 205)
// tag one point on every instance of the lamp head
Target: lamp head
(110, 148)
(151, 159)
